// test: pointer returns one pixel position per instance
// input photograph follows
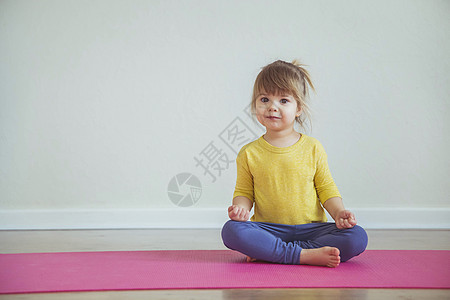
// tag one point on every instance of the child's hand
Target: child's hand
(345, 219)
(238, 213)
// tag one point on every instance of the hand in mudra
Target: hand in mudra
(238, 213)
(345, 219)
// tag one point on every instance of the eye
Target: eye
(284, 101)
(264, 99)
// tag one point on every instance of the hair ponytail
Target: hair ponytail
(305, 75)
(306, 80)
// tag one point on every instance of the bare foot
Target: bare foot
(249, 259)
(325, 256)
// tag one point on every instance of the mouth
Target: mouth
(273, 118)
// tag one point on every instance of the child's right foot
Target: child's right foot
(325, 256)
(249, 259)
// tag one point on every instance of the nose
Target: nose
(272, 107)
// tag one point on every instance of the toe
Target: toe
(336, 252)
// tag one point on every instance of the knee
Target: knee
(356, 244)
(230, 233)
(360, 239)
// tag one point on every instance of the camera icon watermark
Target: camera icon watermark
(184, 189)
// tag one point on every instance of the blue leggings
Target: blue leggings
(281, 243)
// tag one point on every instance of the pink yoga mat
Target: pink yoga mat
(217, 269)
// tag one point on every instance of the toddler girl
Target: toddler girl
(285, 176)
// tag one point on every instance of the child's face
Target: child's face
(277, 112)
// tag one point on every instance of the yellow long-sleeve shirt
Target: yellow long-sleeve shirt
(287, 184)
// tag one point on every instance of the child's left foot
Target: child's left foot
(325, 256)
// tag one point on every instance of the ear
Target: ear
(299, 111)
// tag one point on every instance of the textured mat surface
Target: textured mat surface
(216, 269)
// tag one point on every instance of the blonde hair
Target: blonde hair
(281, 77)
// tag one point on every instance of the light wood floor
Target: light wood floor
(209, 239)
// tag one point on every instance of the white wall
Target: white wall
(102, 103)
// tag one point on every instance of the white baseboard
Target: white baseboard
(369, 218)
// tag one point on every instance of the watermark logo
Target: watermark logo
(237, 134)
(184, 189)
(213, 160)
